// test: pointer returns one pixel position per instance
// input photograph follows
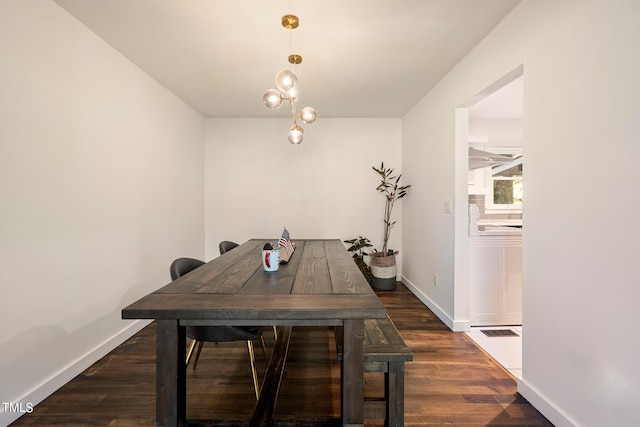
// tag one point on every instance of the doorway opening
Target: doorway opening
(488, 259)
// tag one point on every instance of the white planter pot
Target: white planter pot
(384, 272)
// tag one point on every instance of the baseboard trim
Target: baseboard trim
(455, 326)
(544, 405)
(47, 387)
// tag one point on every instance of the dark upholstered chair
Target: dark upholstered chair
(182, 266)
(226, 246)
(216, 334)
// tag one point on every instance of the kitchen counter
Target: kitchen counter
(492, 226)
(499, 231)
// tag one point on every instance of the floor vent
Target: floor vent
(499, 333)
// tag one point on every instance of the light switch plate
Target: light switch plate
(448, 206)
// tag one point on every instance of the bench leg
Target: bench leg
(394, 394)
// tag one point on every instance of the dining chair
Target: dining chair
(226, 246)
(217, 334)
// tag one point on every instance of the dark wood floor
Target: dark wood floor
(449, 382)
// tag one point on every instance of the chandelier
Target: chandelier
(286, 90)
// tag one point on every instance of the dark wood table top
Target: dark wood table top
(320, 283)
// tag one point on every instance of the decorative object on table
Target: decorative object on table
(287, 89)
(287, 247)
(270, 257)
(359, 248)
(383, 263)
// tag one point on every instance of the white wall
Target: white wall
(498, 132)
(101, 183)
(581, 236)
(257, 183)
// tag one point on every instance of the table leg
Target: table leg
(352, 373)
(171, 384)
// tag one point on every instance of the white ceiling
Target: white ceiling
(361, 58)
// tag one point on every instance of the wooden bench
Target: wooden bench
(266, 405)
(384, 351)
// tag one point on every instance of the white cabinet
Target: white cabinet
(478, 181)
(496, 280)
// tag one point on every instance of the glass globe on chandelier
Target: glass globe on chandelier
(286, 81)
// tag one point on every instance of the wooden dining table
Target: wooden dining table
(320, 285)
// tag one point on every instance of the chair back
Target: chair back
(182, 266)
(226, 246)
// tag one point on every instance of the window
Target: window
(506, 189)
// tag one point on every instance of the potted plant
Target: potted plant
(359, 248)
(383, 263)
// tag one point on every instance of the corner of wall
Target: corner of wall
(454, 325)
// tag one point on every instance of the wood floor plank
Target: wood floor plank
(449, 382)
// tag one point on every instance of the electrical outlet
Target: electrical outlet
(435, 279)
